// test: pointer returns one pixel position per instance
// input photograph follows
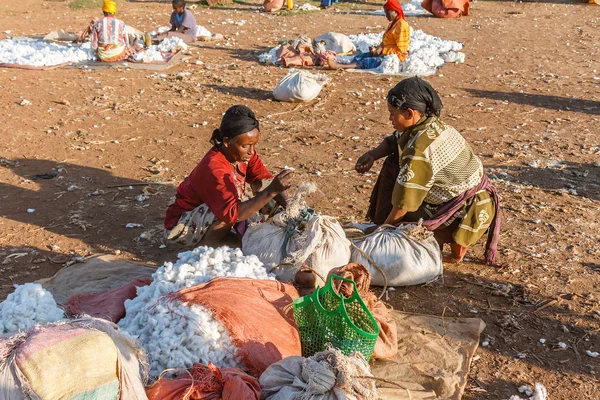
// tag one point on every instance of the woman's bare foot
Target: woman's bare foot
(450, 259)
(333, 64)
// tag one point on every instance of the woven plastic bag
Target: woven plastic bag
(319, 243)
(86, 358)
(299, 86)
(407, 255)
(327, 318)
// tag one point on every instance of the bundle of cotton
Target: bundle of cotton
(28, 305)
(202, 32)
(38, 53)
(176, 335)
(151, 54)
(172, 43)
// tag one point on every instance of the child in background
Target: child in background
(183, 24)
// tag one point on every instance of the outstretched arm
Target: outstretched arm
(365, 162)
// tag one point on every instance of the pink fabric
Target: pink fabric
(109, 305)
(272, 5)
(447, 8)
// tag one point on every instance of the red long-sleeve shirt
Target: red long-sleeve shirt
(218, 184)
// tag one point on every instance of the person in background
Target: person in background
(211, 199)
(109, 39)
(183, 24)
(396, 39)
(431, 173)
(325, 4)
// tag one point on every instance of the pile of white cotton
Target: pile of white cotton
(28, 305)
(172, 43)
(155, 52)
(177, 335)
(426, 53)
(202, 32)
(38, 53)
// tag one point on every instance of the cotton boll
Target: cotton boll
(28, 305)
(176, 335)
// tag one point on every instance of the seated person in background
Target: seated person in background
(211, 201)
(431, 173)
(183, 24)
(109, 39)
(396, 39)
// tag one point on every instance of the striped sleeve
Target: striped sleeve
(414, 180)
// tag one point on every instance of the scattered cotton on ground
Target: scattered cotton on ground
(175, 341)
(28, 305)
(426, 54)
(539, 392)
(38, 53)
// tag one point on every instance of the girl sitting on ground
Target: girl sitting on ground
(396, 39)
(431, 173)
(211, 199)
(183, 23)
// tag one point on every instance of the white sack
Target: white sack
(408, 255)
(322, 246)
(298, 86)
(337, 42)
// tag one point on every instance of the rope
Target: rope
(374, 264)
(292, 227)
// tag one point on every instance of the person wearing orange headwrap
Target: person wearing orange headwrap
(396, 39)
(109, 38)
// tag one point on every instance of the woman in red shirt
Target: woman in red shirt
(210, 201)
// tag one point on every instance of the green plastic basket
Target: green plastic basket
(328, 318)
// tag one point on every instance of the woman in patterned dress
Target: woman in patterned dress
(431, 173)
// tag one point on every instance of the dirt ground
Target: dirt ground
(527, 99)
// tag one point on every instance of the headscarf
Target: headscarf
(395, 6)
(416, 94)
(109, 6)
(236, 121)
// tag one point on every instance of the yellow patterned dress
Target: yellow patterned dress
(436, 164)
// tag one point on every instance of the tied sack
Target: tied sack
(320, 244)
(407, 255)
(337, 42)
(80, 359)
(299, 86)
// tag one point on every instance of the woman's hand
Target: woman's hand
(282, 182)
(377, 51)
(364, 163)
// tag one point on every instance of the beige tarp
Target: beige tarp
(96, 274)
(434, 357)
